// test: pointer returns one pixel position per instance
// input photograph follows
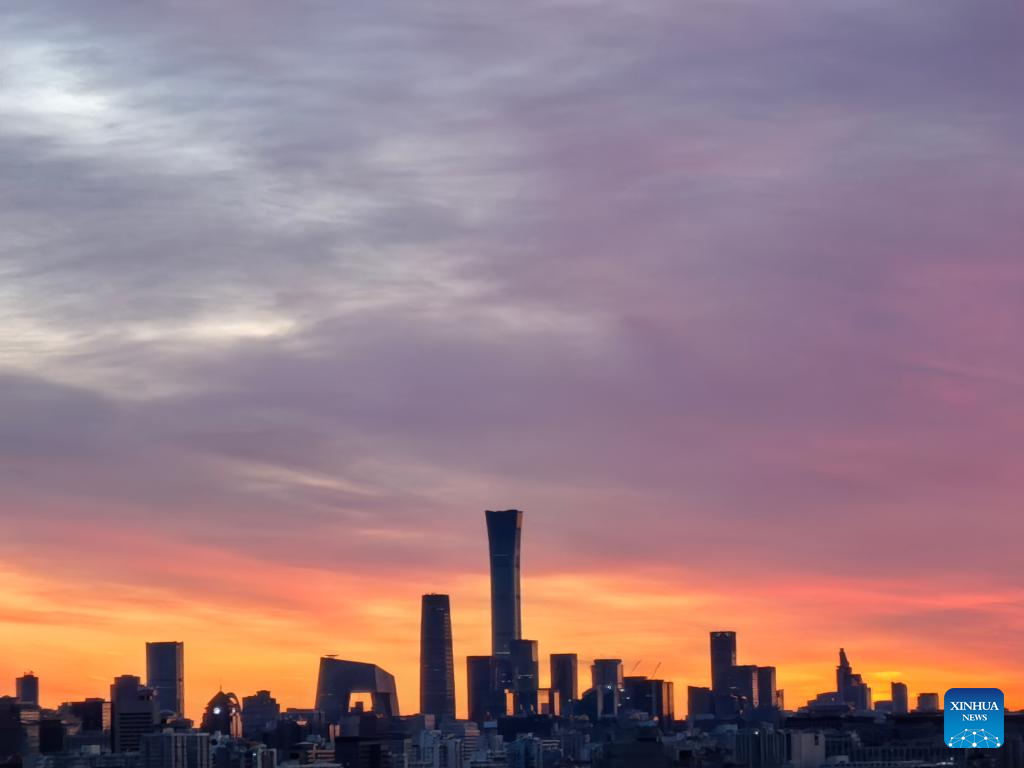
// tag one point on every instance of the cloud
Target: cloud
(727, 288)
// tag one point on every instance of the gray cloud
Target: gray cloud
(744, 270)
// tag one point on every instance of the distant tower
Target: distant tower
(524, 674)
(483, 681)
(260, 713)
(165, 674)
(606, 677)
(606, 672)
(767, 694)
(504, 531)
(134, 713)
(565, 680)
(26, 689)
(224, 715)
(844, 673)
(928, 702)
(437, 664)
(900, 700)
(723, 659)
(851, 687)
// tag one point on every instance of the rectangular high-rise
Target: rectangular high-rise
(723, 659)
(165, 674)
(606, 678)
(525, 676)
(260, 713)
(900, 700)
(437, 664)
(174, 750)
(504, 531)
(699, 702)
(484, 681)
(134, 713)
(743, 683)
(565, 681)
(767, 695)
(26, 689)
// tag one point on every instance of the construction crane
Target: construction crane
(635, 666)
(656, 669)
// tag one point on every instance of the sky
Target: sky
(727, 296)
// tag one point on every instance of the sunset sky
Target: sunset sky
(727, 296)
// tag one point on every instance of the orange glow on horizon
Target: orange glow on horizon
(252, 628)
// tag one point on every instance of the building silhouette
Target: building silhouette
(928, 702)
(437, 663)
(900, 700)
(767, 691)
(700, 702)
(653, 697)
(484, 677)
(260, 713)
(504, 531)
(565, 681)
(165, 674)
(133, 713)
(26, 689)
(223, 714)
(170, 749)
(743, 683)
(606, 672)
(94, 715)
(606, 681)
(524, 677)
(339, 679)
(850, 687)
(723, 659)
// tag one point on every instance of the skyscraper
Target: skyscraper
(165, 674)
(900, 700)
(767, 695)
(565, 681)
(699, 702)
(134, 713)
(723, 659)
(504, 530)
(744, 684)
(486, 696)
(524, 667)
(175, 750)
(437, 664)
(26, 689)
(606, 672)
(851, 687)
(653, 697)
(606, 678)
(94, 713)
(260, 713)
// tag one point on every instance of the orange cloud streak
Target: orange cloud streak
(249, 624)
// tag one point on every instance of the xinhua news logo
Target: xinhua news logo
(973, 717)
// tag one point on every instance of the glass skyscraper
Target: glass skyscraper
(723, 659)
(437, 664)
(504, 531)
(165, 674)
(565, 681)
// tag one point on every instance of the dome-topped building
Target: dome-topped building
(223, 714)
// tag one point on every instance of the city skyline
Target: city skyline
(724, 674)
(725, 295)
